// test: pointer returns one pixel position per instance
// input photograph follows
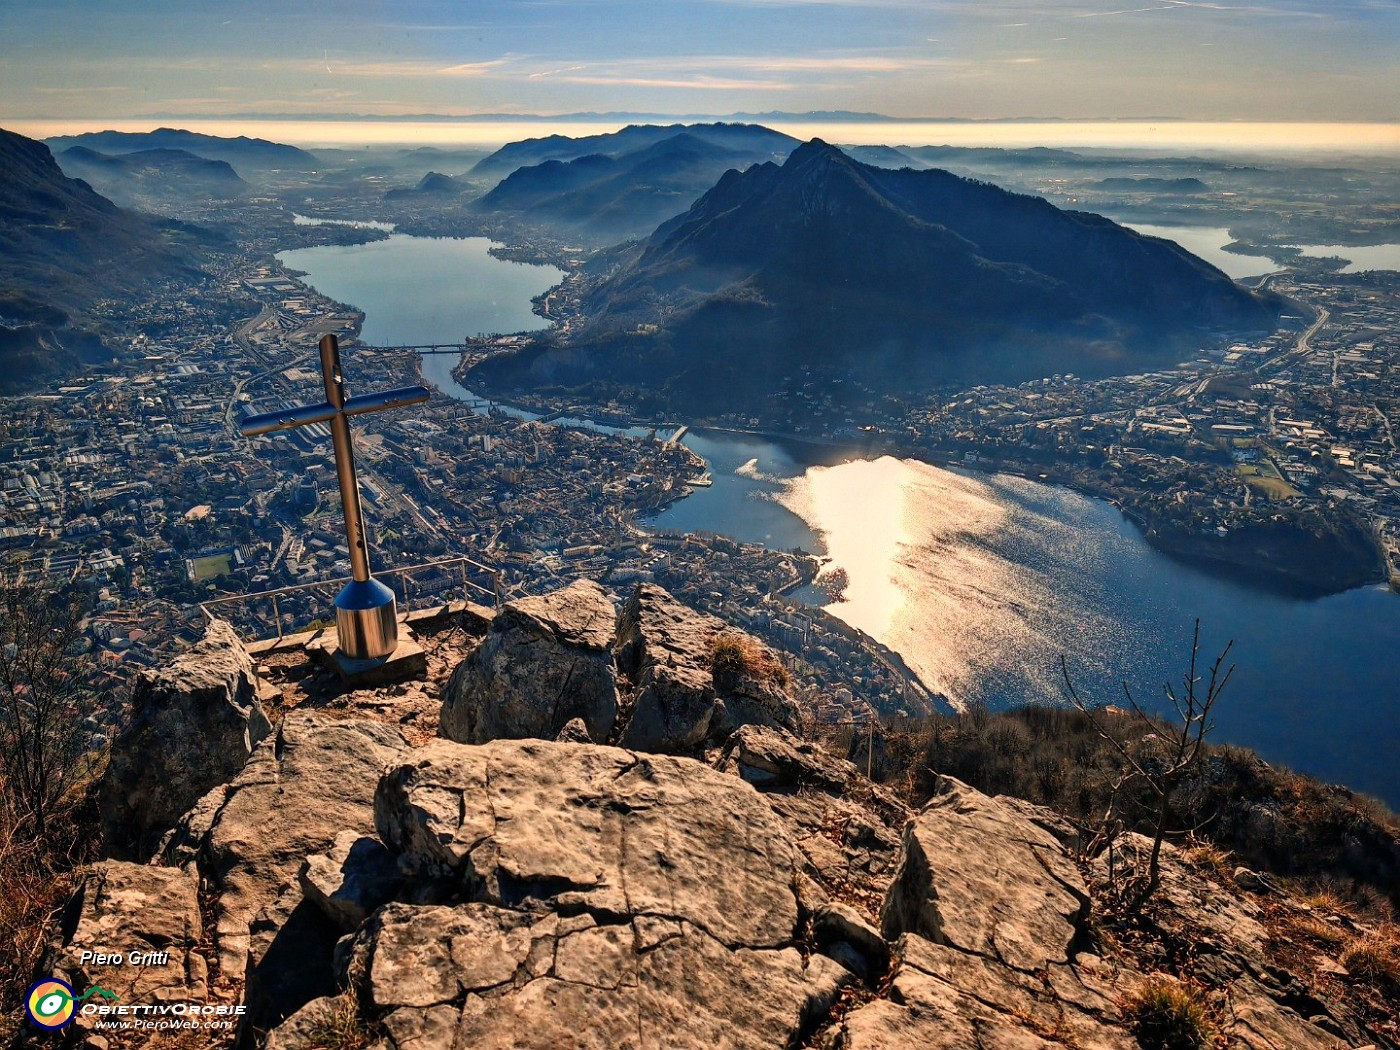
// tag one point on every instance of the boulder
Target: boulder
(773, 759)
(354, 878)
(300, 790)
(1021, 902)
(545, 661)
(668, 651)
(153, 912)
(532, 824)
(603, 899)
(193, 725)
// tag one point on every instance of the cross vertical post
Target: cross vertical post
(366, 615)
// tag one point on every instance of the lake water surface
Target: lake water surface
(980, 581)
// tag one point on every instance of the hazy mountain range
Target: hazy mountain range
(741, 138)
(137, 180)
(65, 247)
(241, 152)
(610, 197)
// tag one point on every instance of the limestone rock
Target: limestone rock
(299, 790)
(545, 661)
(945, 999)
(576, 732)
(499, 978)
(667, 650)
(355, 877)
(1020, 902)
(844, 934)
(604, 900)
(772, 758)
(193, 725)
(1258, 1022)
(302, 1028)
(124, 908)
(568, 826)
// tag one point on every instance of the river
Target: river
(980, 581)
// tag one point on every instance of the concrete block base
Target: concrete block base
(407, 661)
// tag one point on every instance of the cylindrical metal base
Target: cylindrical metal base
(366, 619)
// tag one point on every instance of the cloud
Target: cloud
(700, 82)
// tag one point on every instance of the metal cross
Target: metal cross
(366, 616)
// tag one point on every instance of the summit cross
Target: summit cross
(366, 615)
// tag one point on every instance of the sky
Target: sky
(1314, 60)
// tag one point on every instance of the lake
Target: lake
(1208, 243)
(979, 581)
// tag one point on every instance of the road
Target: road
(1301, 349)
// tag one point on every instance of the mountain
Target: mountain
(146, 176)
(432, 184)
(241, 152)
(900, 278)
(612, 198)
(66, 246)
(436, 182)
(744, 138)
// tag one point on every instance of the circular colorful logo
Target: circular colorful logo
(50, 1003)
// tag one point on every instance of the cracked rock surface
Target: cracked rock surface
(591, 897)
(575, 827)
(545, 661)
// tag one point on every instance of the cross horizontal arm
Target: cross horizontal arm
(404, 395)
(287, 419)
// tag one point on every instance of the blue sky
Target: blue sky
(1233, 59)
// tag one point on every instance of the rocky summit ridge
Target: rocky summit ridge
(595, 826)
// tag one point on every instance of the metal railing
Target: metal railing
(294, 604)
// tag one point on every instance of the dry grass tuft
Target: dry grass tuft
(738, 655)
(1166, 1014)
(34, 887)
(341, 1029)
(1208, 857)
(1374, 956)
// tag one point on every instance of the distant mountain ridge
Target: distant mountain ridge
(66, 246)
(748, 138)
(609, 197)
(906, 277)
(237, 151)
(131, 179)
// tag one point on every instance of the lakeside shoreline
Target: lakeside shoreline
(1229, 562)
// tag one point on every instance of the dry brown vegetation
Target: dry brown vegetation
(1267, 819)
(1167, 1014)
(735, 656)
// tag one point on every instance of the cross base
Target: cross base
(408, 660)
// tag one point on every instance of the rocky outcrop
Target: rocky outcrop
(683, 699)
(552, 660)
(544, 661)
(597, 829)
(1020, 904)
(193, 725)
(144, 921)
(591, 897)
(359, 890)
(301, 791)
(944, 999)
